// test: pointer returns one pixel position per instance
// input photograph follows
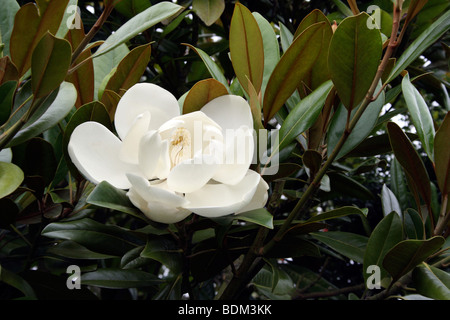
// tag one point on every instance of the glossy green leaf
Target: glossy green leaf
(348, 244)
(407, 254)
(95, 236)
(432, 282)
(246, 48)
(11, 177)
(361, 131)
(7, 14)
(164, 251)
(119, 278)
(209, 11)
(107, 196)
(344, 184)
(7, 91)
(398, 184)
(354, 55)
(93, 111)
(130, 69)
(53, 110)
(49, 64)
(385, 236)
(389, 201)
(410, 160)
(413, 222)
(73, 250)
(40, 164)
(212, 67)
(271, 48)
(17, 282)
(139, 23)
(292, 68)
(420, 115)
(30, 25)
(442, 155)
(201, 93)
(422, 42)
(304, 114)
(261, 217)
(130, 8)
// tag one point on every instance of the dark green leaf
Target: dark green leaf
(442, 155)
(409, 253)
(432, 282)
(353, 59)
(7, 91)
(119, 278)
(348, 244)
(49, 64)
(261, 217)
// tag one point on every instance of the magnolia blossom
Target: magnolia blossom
(173, 164)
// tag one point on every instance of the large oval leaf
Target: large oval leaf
(292, 68)
(432, 282)
(348, 244)
(201, 93)
(30, 25)
(386, 235)
(354, 55)
(420, 115)
(119, 278)
(246, 48)
(209, 11)
(49, 64)
(409, 253)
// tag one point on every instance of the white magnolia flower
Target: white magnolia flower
(174, 164)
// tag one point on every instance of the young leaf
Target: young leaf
(49, 64)
(442, 155)
(246, 48)
(31, 24)
(292, 68)
(201, 93)
(420, 115)
(410, 160)
(353, 59)
(409, 253)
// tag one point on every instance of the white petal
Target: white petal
(156, 201)
(229, 111)
(238, 155)
(259, 199)
(192, 174)
(150, 148)
(130, 144)
(95, 152)
(6, 155)
(215, 200)
(143, 97)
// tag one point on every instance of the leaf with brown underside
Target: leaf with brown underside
(201, 93)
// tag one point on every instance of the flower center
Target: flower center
(180, 146)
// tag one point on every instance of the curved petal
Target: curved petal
(238, 155)
(156, 201)
(259, 199)
(150, 148)
(229, 111)
(215, 200)
(130, 144)
(192, 174)
(94, 150)
(143, 97)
